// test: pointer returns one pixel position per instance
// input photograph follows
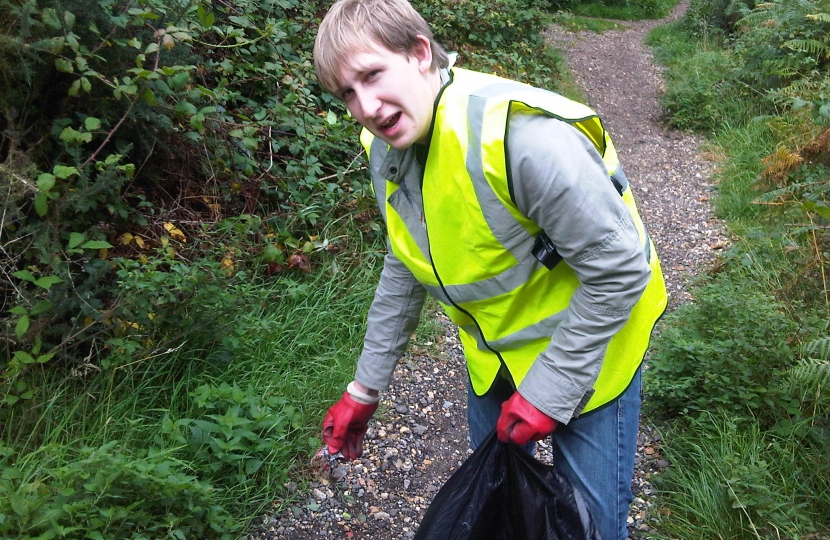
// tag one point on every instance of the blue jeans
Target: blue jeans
(596, 451)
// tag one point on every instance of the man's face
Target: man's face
(391, 94)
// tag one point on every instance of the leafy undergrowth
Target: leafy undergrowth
(739, 377)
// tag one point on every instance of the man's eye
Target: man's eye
(373, 74)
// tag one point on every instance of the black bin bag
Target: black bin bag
(502, 493)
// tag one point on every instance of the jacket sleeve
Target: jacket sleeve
(393, 317)
(561, 183)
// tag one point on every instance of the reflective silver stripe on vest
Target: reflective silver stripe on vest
(542, 330)
(408, 213)
(400, 200)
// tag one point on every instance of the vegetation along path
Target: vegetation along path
(418, 437)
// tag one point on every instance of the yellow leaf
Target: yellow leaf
(88, 321)
(102, 254)
(140, 242)
(125, 239)
(175, 232)
(171, 252)
(227, 264)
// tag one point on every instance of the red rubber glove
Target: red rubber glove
(520, 422)
(345, 426)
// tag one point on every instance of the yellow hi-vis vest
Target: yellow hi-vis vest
(473, 250)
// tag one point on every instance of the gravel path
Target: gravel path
(419, 437)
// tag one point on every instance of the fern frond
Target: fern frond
(810, 375)
(820, 17)
(819, 147)
(813, 47)
(818, 348)
(779, 164)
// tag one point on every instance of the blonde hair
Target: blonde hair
(360, 25)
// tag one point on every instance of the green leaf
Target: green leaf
(42, 203)
(63, 172)
(70, 136)
(11, 399)
(97, 244)
(47, 281)
(252, 466)
(823, 211)
(179, 80)
(23, 357)
(207, 19)
(197, 121)
(25, 275)
(18, 310)
(50, 18)
(87, 86)
(22, 326)
(241, 21)
(331, 118)
(69, 19)
(45, 181)
(149, 97)
(64, 66)
(42, 306)
(75, 240)
(43, 358)
(91, 123)
(185, 107)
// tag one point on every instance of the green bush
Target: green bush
(702, 93)
(108, 492)
(727, 350)
(126, 128)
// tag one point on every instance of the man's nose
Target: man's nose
(369, 103)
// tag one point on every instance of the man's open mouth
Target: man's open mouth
(389, 124)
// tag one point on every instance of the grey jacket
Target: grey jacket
(561, 183)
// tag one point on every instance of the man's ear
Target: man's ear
(422, 52)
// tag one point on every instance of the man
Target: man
(507, 204)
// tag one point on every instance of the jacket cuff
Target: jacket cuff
(552, 394)
(375, 372)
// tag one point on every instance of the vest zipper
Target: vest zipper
(454, 304)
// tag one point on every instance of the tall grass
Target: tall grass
(260, 396)
(736, 482)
